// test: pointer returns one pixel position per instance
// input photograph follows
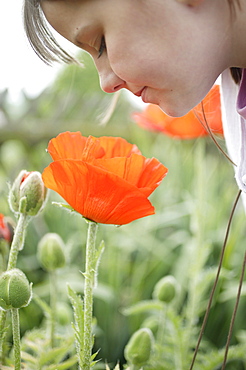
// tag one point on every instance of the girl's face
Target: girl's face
(165, 51)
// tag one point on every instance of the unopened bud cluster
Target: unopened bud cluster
(27, 194)
(15, 290)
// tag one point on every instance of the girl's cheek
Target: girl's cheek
(129, 69)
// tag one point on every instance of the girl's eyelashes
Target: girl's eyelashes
(102, 47)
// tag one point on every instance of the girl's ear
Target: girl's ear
(190, 2)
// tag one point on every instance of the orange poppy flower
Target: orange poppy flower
(105, 179)
(188, 126)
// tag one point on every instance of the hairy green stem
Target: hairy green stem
(88, 294)
(162, 325)
(16, 337)
(3, 317)
(18, 240)
(16, 246)
(53, 300)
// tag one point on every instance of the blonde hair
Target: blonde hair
(40, 37)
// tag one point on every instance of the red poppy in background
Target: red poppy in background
(6, 228)
(188, 126)
(106, 179)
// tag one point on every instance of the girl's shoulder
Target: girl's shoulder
(233, 106)
(230, 116)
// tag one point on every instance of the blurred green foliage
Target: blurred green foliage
(183, 239)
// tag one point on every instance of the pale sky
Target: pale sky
(20, 68)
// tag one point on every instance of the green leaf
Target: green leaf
(142, 307)
(28, 358)
(66, 365)
(63, 205)
(78, 326)
(214, 359)
(55, 355)
(97, 260)
(78, 308)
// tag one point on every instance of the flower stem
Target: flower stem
(16, 337)
(234, 313)
(205, 319)
(3, 316)
(88, 294)
(53, 299)
(16, 246)
(18, 240)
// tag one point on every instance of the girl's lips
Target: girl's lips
(139, 93)
(143, 94)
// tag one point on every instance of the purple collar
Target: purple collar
(241, 108)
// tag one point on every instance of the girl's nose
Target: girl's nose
(110, 82)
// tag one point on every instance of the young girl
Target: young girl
(169, 52)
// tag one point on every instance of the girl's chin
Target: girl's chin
(174, 111)
(172, 105)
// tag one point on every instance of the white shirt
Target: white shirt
(233, 101)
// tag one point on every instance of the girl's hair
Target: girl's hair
(47, 48)
(40, 37)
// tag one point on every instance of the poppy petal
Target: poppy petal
(117, 147)
(72, 145)
(128, 168)
(186, 127)
(95, 193)
(67, 145)
(152, 175)
(145, 174)
(211, 108)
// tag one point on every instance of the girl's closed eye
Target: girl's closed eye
(102, 47)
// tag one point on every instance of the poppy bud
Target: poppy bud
(166, 289)
(51, 252)
(152, 323)
(15, 290)
(28, 193)
(139, 347)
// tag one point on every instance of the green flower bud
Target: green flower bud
(166, 289)
(152, 323)
(139, 347)
(28, 193)
(15, 290)
(51, 252)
